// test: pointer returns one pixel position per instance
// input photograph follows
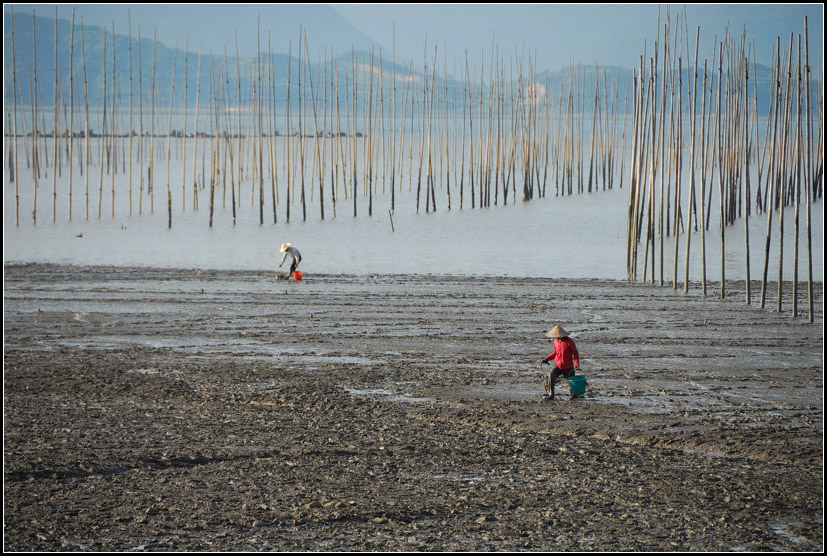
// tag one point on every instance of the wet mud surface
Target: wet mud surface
(151, 409)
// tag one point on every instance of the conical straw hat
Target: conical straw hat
(557, 332)
(284, 247)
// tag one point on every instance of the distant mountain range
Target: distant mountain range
(34, 43)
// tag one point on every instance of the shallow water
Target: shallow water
(579, 236)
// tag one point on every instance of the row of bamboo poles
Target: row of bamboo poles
(724, 149)
(353, 132)
(341, 133)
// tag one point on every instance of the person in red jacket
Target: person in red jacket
(565, 356)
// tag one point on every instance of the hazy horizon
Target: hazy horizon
(553, 34)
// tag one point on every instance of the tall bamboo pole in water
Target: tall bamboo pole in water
(690, 206)
(71, 110)
(272, 142)
(783, 176)
(678, 148)
(184, 126)
(808, 173)
(720, 151)
(113, 135)
(302, 142)
(55, 134)
(318, 155)
(770, 178)
(102, 134)
(86, 102)
(462, 144)
(337, 151)
(131, 104)
(382, 135)
(15, 139)
(35, 133)
(470, 133)
(259, 119)
(214, 106)
(224, 93)
(797, 181)
(288, 136)
(429, 186)
(140, 127)
(746, 173)
(238, 112)
(368, 142)
(151, 178)
(662, 144)
(355, 97)
(422, 128)
(393, 123)
(195, 135)
(703, 193)
(447, 130)
(169, 137)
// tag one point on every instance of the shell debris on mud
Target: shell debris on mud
(156, 409)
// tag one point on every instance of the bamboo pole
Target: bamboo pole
(354, 132)
(393, 126)
(662, 224)
(15, 95)
(239, 111)
(195, 134)
(720, 150)
(140, 126)
(55, 134)
(113, 134)
(131, 104)
(783, 177)
(35, 132)
(703, 150)
(151, 176)
(259, 126)
(338, 153)
(103, 132)
(288, 136)
(809, 172)
(86, 102)
(183, 126)
(273, 134)
(317, 131)
(213, 104)
(678, 147)
(302, 140)
(224, 94)
(746, 171)
(771, 181)
(169, 136)
(797, 181)
(690, 206)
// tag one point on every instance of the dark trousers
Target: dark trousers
(554, 374)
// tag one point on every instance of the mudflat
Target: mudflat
(160, 409)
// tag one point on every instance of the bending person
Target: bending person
(291, 251)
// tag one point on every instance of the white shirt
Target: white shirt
(293, 252)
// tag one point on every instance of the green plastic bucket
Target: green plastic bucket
(577, 384)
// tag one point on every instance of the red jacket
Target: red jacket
(565, 354)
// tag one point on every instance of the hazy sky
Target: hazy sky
(554, 34)
(614, 34)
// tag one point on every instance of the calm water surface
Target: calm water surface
(580, 236)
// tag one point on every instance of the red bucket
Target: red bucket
(297, 275)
